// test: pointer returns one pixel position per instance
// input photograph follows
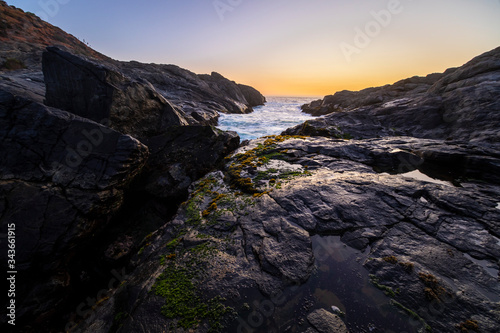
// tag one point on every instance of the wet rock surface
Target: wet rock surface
(422, 211)
(425, 240)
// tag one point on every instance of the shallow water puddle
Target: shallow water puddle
(340, 281)
(343, 282)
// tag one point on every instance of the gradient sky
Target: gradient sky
(285, 47)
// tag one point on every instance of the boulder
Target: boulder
(252, 95)
(181, 156)
(102, 94)
(326, 322)
(62, 178)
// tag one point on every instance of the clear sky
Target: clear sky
(285, 47)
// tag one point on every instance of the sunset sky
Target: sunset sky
(285, 47)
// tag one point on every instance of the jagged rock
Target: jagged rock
(419, 222)
(252, 95)
(99, 93)
(349, 100)
(326, 322)
(199, 100)
(225, 87)
(200, 97)
(62, 177)
(181, 156)
(246, 233)
(115, 92)
(459, 104)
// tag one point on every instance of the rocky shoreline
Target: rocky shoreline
(134, 214)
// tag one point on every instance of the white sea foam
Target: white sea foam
(277, 115)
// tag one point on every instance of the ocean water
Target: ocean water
(278, 114)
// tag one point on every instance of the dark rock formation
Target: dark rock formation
(96, 222)
(421, 211)
(26, 83)
(349, 100)
(181, 156)
(99, 93)
(252, 95)
(225, 87)
(330, 186)
(62, 177)
(24, 37)
(200, 97)
(457, 105)
(115, 92)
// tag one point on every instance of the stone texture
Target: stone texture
(62, 178)
(245, 231)
(99, 93)
(265, 246)
(181, 156)
(200, 97)
(326, 322)
(252, 95)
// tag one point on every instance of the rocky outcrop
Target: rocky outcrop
(26, 83)
(200, 97)
(24, 37)
(99, 93)
(62, 177)
(349, 100)
(395, 232)
(252, 95)
(155, 96)
(419, 213)
(253, 228)
(456, 105)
